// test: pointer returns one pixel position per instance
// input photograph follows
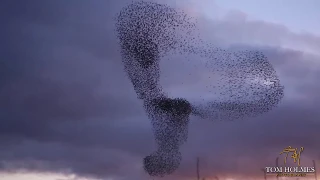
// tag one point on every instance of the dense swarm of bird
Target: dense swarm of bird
(149, 31)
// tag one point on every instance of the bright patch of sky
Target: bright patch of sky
(297, 15)
(38, 176)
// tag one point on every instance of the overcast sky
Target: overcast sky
(67, 110)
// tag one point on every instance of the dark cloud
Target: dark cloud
(67, 107)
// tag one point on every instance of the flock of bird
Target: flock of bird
(147, 32)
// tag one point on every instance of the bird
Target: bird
(148, 31)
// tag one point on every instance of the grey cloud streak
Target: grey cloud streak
(67, 107)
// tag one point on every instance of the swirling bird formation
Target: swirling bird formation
(147, 32)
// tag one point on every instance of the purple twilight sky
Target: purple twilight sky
(67, 110)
